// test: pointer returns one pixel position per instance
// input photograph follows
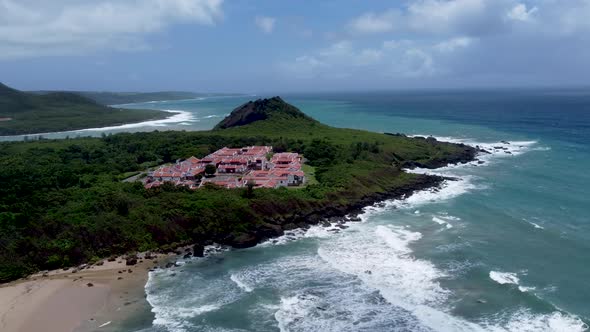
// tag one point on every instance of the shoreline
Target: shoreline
(177, 116)
(62, 300)
(91, 298)
(77, 299)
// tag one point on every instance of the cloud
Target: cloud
(520, 13)
(453, 44)
(304, 67)
(414, 63)
(392, 58)
(65, 27)
(265, 23)
(439, 17)
(374, 23)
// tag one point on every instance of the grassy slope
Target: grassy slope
(60, 111)
(62, 202)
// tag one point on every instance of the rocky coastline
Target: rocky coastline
(342, 213)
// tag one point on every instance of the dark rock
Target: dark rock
(243, 240)
(289, 226)
(396, 134)
(198, 250)
(120, 278)
(90, 284)
(267, 230)
(187, 256)
(132, 260)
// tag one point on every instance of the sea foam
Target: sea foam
(243, 286)
(508, 278)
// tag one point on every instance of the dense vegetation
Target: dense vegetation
(62, 202)
(28, 113)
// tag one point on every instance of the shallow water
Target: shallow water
(505, 248)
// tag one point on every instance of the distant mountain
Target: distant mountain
(28, 113)
(262, 109)
(120, 98)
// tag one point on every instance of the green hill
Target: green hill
(62, 202)
(274, 108)
(29, 113)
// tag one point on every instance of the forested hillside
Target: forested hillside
(29, 113)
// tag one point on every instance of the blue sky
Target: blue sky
(274, 46)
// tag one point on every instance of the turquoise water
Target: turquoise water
(505, 248)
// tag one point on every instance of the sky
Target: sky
(256, 46)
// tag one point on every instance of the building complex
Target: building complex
(234, 168)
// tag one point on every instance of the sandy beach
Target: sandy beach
(88, 299)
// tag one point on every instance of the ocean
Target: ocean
(504, 248)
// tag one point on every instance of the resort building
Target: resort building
(235, 168)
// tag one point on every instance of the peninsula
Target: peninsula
(24, 113)
(74, 213)
(62, 202)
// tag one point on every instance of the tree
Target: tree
(250, 189)
(210, 169)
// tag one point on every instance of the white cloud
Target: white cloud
(442, 16)
(304, 67)
(59, 27)
(453, 44)
(414, 63)
(338, 49)
(520, 13)
(374, 23)
(396, 44)
(393, 58)
(369, 56)
(469, 17)
(265, 23)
